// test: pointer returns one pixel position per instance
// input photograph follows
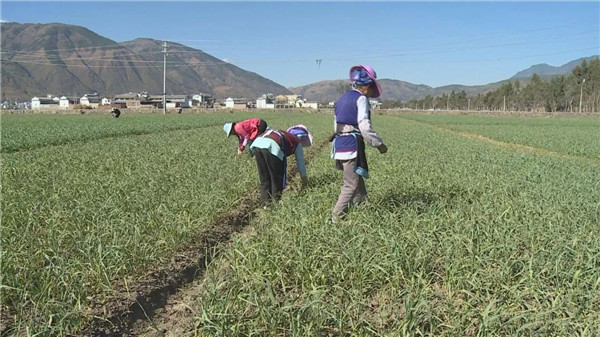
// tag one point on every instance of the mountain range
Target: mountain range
(60, 59)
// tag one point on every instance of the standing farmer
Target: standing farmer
(352, 129)
(246, 131)
(271, 151)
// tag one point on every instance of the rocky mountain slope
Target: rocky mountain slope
(58, 59)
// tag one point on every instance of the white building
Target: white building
(265, 102)
(203, 100)
(178, 101)
(375, 104)
(44, 102)
(90, 100)
(302, 103)
(236, 103)
(67, 102)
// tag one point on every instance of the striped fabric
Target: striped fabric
(345, 146)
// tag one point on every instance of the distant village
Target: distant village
(145, 101)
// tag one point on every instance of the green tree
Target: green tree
(556, 98)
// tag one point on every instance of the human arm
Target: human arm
(365, 127)
(299, 154)
(243, 136)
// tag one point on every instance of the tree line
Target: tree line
(576, 92)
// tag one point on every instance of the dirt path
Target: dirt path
(151, 294)
(157, 304)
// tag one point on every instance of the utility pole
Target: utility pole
(469, 105)
(504, 102)
(581, 95)
(164, 100)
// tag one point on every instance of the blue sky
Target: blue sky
(426, 42)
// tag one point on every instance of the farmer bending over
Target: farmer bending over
(246, 131)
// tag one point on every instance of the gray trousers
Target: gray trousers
(353, 191)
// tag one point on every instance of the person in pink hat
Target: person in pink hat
(352, 129)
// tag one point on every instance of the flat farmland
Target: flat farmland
(474, 226)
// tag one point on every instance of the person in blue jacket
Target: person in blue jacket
(352, 128)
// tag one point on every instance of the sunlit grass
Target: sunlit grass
(574, 135)
(460, 237)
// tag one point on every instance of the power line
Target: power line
(441, 47)
(35, 57)
(174, 64)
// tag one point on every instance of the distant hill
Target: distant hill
(545, 70)
(328, 91)
(59, 59)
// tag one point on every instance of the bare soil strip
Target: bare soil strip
(142, 299)
(131, 310)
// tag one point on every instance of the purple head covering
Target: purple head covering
(302, 133)
(365, 75)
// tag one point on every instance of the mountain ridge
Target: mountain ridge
(544, 69)
(88, 63)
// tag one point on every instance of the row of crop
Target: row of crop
(573, 136)
(81, 218)
(25, 132)
(453, 226)
(459, 238)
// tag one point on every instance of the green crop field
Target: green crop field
(475, 226)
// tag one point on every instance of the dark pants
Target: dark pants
(270, 172)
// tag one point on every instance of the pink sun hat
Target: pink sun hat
(364, 75)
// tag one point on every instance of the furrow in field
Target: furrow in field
(133, 309)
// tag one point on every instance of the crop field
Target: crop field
(474, 226)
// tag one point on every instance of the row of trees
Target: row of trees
(575, 92)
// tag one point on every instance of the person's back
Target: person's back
(346, 108)
(246, 131)
(271, 150)
(353, 129)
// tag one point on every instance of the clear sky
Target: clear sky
(426, 42)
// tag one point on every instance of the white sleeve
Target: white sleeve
(363, 108)
(364, 123)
